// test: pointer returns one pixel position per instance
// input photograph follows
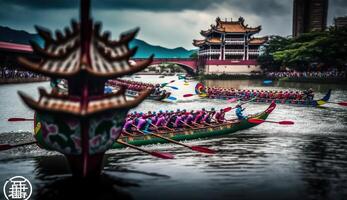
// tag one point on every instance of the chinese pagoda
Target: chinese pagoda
(229, 43)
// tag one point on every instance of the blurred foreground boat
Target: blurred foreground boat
(84, 122)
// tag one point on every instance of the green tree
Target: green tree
(325, 49)
(266, 58)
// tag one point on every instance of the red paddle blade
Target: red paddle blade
(5, 147)
(162, 155)
(227, 109)
(188, 95)
(286, 122)
(16, 119)
(202, 149)
(342, 103)
(255, 121)
(232, 100)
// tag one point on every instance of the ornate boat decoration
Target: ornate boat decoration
(85, 122)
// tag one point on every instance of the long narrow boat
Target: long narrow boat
(200, 90)
(190, 134)
(313, 103)
(152, 96)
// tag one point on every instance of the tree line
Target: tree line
(314, 51)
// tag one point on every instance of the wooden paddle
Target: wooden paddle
(172, 98)
(200, 95)
(227, 109)
(259, 121)
(157, 128)
(165, 84)
(194, 148)
(188, 125)
(172, 87)
(232, 100)
(153, 153)
(18, 119)
(4, 147)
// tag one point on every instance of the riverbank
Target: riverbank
(264, 77)
(314, 80)
(23, 80)
(230, 77)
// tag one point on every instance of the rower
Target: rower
(190, 117)
(127, 126)
(161, 120)
(154, 117)
(310, 94)
(208, 117)
(171, 119)
(199, 116)
(140, 123)
(239, 112)
(157, 89)
(220, 116)
(178, 121)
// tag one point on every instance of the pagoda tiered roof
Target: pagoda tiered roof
(83, 54)
(252, 41)
(70, 105)
(230, 27)
(257, 41)
(207, 41)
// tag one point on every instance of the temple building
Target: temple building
(229, 47)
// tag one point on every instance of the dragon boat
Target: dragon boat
(206, 131)
(200, 90)
(157, 96)
(152, 96)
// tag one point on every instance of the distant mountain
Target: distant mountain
(145, 50)
(15, 36)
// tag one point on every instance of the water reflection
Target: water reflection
(56, 182)
(323, 167)
(304, 161)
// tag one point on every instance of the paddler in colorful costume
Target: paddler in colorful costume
(220, 116)
(239, 112)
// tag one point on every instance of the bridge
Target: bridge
(189, 64)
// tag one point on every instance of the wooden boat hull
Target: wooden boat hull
(313, 103)
(198, 133)
(132, 93)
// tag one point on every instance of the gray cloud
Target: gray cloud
(170, 23)
(254, 6)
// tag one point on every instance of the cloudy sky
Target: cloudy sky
(169, 23)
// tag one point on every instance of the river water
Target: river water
(305, 161)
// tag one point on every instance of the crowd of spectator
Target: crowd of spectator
(331, 74)
(9, 73)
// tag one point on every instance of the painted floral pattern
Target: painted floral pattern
(63, 134)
